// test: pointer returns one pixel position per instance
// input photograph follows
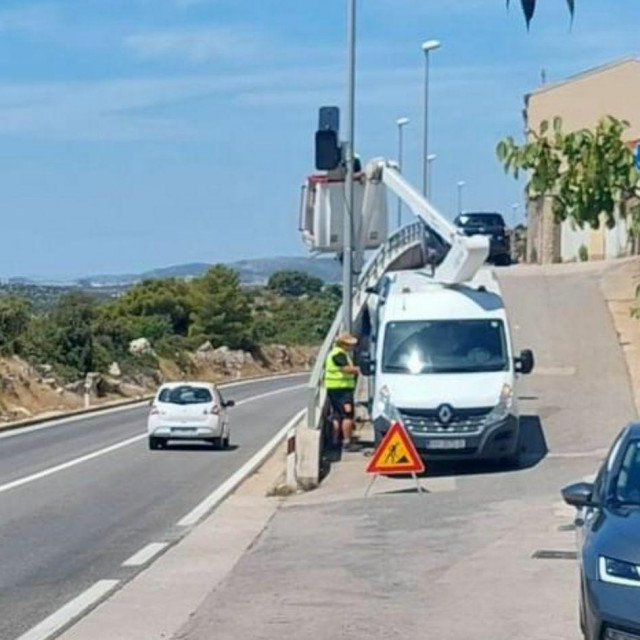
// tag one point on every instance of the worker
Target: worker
(340, 381)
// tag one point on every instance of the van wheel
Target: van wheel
(225, 443)
(216, 443)
(155, 443)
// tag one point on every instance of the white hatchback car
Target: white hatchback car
(189, 411)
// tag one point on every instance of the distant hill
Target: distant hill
(252, 272)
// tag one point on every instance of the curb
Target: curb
(130, 402)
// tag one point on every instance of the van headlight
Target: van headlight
(504, 406)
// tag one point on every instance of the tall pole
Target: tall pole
(431, 158)
(427, 47)
(402, 123)
(347, 261)
(461, 186)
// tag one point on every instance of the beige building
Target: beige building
(581, 101)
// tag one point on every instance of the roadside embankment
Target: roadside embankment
(29, 393)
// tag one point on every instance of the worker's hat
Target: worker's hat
(347, 340)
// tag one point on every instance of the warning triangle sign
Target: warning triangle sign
(396, 454)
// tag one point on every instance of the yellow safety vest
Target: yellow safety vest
(334, 378)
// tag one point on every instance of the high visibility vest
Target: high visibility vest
(334, 378)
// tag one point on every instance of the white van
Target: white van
(444, 358)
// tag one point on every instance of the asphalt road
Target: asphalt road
(459, 562)
(60, 533)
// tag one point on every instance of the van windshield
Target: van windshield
(445, 346)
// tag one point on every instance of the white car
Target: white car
(189, 411)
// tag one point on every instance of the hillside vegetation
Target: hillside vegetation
(170, 328)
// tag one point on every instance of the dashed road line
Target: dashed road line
(70, 611)
(145, 554)
(14, 484)
(71, 463)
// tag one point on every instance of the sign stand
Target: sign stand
(396, 455)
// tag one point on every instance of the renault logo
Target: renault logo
(445, 414)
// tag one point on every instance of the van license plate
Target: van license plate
(446, 444)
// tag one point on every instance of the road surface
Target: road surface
(79, 499)
(459, 562)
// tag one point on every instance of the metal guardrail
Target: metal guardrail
(398, 243)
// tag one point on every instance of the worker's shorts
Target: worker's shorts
(341, 401)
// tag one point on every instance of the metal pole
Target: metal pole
(400, 169)
(402, 123)
(461, 185)
(347, 261)
(425, 152)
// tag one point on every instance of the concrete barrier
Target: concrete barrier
(308, 455)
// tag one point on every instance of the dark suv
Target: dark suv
(492, 225)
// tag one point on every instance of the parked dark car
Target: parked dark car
(608, 525)
(492, 225)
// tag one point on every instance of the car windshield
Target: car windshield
(627, 485)
(445, 346)
(481, 220)
(186, 394)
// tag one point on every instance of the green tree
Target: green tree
(169, 299)
(221, 311)
(589, 175)
(64, 337)
(15, 314)
(294, 283)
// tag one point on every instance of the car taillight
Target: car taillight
(214, 411)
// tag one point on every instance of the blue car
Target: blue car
(608, 525)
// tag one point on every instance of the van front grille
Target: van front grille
(427, 422)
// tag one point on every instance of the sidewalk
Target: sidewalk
(332, 564)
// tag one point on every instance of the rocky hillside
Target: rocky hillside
(27, 391)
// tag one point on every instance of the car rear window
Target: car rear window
(186, 394)
(480, 219)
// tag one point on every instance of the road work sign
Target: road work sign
(396, 454)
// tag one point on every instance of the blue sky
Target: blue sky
(143, 133)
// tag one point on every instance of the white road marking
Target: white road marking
(145, 554)
(55, 422)
(70, 611)
(270, 393)
(235, 480)
(71, 463)
(114, 447)
(554, 371)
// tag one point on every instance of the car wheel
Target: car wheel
(216, 443)
(155, 443)
(225, 442)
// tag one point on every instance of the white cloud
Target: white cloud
(197, 45)
(35, 19)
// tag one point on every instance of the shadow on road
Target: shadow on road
(203, 447)
(533, 451)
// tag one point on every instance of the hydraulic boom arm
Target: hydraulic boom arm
(466, 254)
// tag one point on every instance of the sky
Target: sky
(137, 134)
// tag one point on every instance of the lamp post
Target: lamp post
(402, 123)
(461, 186)
(427, 47)
(431, 158)
(514, 207)
(347, 254)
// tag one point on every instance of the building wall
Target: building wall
(581, 102)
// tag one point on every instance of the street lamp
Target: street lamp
(461, 186)
(431, 158)
(427, 47)
(514, 207)
(402, 123)
(347, 255)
